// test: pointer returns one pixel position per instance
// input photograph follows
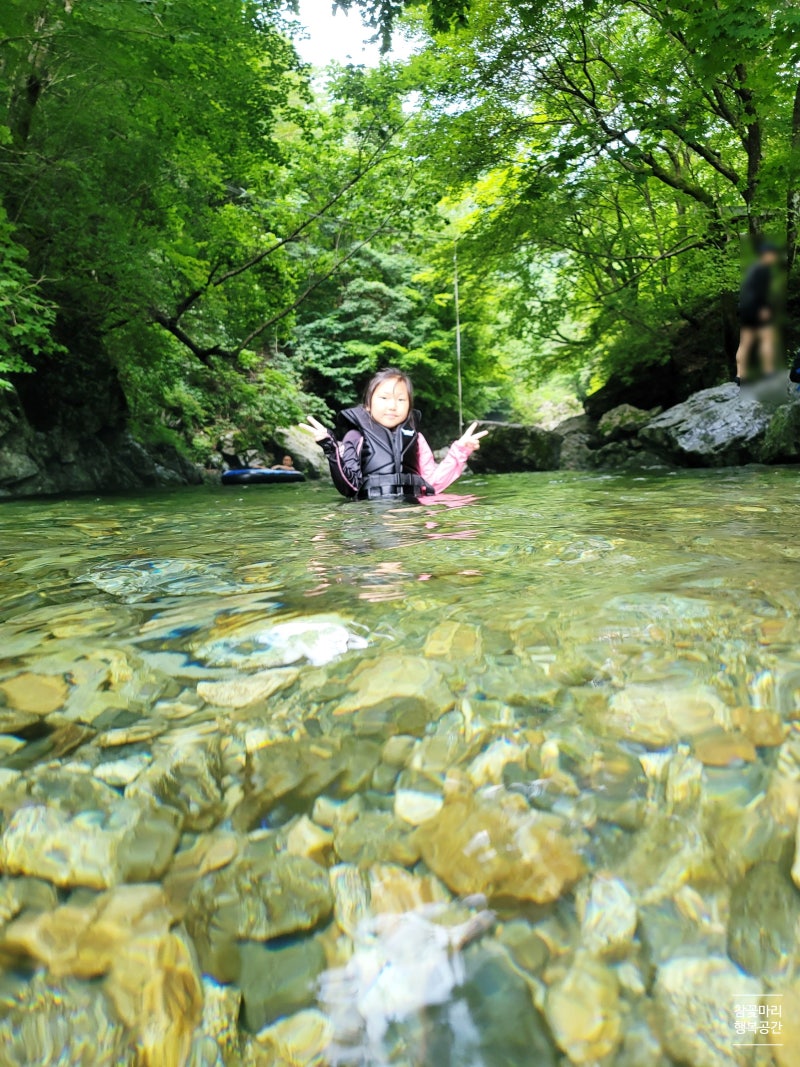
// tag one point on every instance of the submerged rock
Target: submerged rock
(314, 639)
(187, 776)
(301, 1039)
(498, 847)
(395, 694)
(38, 694)
(158, 992)
(694, 1010)
(659, 715)
(278, 980)
(136, 580)
(297, 772)
(376, 837)
(583, 1011)
(217, 1042)
(85, 940)
(86, 834)
(489, 1021)
(764, 923)
(240, 692)
(401, 964)
(258, 897)
(609, 918)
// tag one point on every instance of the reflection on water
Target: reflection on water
(511, 777)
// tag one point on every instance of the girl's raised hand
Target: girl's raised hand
(471, 440)
(318, 430)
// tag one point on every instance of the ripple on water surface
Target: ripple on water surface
(507, 778)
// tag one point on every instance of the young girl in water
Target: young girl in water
(382, 453)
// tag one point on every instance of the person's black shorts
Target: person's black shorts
(751, 319)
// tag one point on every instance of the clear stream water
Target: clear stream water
(568, 590)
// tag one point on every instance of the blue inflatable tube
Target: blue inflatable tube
(260, 476)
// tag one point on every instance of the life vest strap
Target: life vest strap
(376, 486)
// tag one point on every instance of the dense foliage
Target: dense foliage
(619, 155)
(186, 213)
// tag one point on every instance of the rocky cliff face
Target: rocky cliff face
(41, 453)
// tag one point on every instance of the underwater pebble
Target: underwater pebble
(121, 772)
(415, 807)
(609, 918)
(130, 842)
(692, 1010)
(656, 715)
(499, 847)
(300, 1040)
(583, 1011)
(38, 694)
(240, 692)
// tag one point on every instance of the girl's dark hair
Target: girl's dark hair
(384, 376)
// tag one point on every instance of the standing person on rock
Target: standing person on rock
(382, 454)
(757, 312)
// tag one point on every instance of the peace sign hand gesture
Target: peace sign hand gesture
(318, 430)
(471, 440)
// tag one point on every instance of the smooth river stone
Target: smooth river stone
(301, 1039)
(258, 897)
(415, 806)
(396, 694)
(499, 847)
(299, 771)
(609, 918)
(25, 894)
(720, 749)
(217, 1042)
(583, 1011)
(279, 980)
(657, 715)
(764, 922)
(240, 692)
(452, 640)
(128, 842)
(157, 991)
(186, 776)
(375, 837)
(84, 940)
(121, 772)
(38, 694)
(694, 1013)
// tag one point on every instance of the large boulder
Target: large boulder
(513, 447)
(578, 438)
(624, 421)
(306, 454)
(717, 427)
(782, 440)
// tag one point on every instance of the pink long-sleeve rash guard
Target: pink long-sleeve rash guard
(446, 472)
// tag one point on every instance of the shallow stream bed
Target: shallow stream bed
(508, 778)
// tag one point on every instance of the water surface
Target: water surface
(600, 675)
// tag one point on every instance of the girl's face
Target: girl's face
(390, 404)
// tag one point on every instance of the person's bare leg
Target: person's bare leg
(767, 347)
(746, 338)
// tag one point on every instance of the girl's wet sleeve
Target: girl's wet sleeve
(451, 467)
(344, 460)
